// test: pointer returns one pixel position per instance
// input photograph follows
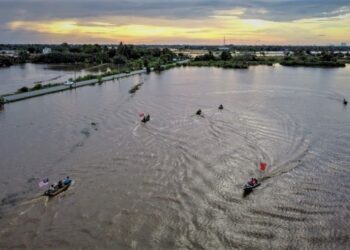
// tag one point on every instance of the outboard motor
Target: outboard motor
(2, 102)
(146, 118)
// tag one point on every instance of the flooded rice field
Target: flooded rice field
(176, 181)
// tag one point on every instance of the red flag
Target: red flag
(262, 166)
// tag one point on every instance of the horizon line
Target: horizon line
(186, 44)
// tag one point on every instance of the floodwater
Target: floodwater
(28, 74)
(176, 182)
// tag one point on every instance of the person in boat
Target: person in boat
(66, 180)
(60, 184)
(52, 188)
(199, 112)
(146, 118)
(253, 182)
(221, 107)
(345, 102)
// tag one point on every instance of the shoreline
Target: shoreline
(45, 91)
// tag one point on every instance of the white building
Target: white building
(9, 53)
(47, 50)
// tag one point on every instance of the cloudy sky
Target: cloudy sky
(175, 21)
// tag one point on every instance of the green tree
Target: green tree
(145, 63)
(206, 57)
(31, 50)
(6, 61)
(91, 49)
(75, 49)
(112, 53)
(22, 90)
(64, 47)
(37, 87)
(99, 79)
(226, 55)
(119, 60)
(327, 56)
(23, 56)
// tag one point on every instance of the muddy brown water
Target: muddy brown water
(176, 181)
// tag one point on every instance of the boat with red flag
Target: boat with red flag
(253, 183)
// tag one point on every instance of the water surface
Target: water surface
(176, 182)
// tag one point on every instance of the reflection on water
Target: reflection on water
(176, 182)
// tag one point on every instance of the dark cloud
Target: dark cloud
(273, 10)
(276, 10)
(294, 10)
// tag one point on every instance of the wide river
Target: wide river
(176, 182)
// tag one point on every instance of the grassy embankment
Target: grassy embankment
(36, 87)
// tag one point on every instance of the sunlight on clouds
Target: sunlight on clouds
(60, 27)
(255, 23)
(106, 30)
(210, 30)
(231, 12)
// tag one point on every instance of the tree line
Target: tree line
(123, 54)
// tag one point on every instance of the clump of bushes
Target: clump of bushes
(85, 78)
(37, 87)
(99, 79)
(311, 63)
(226, 60)
(220, 64)
(135, 88)
(23, 89)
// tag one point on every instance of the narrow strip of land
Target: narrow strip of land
(25, 95)
(45, 91)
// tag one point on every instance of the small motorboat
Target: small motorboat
(251, 185)
(57, 189)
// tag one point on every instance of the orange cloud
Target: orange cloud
(210, 30)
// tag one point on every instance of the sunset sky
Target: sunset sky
(175, 22)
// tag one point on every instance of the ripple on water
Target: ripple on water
(176, 182)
